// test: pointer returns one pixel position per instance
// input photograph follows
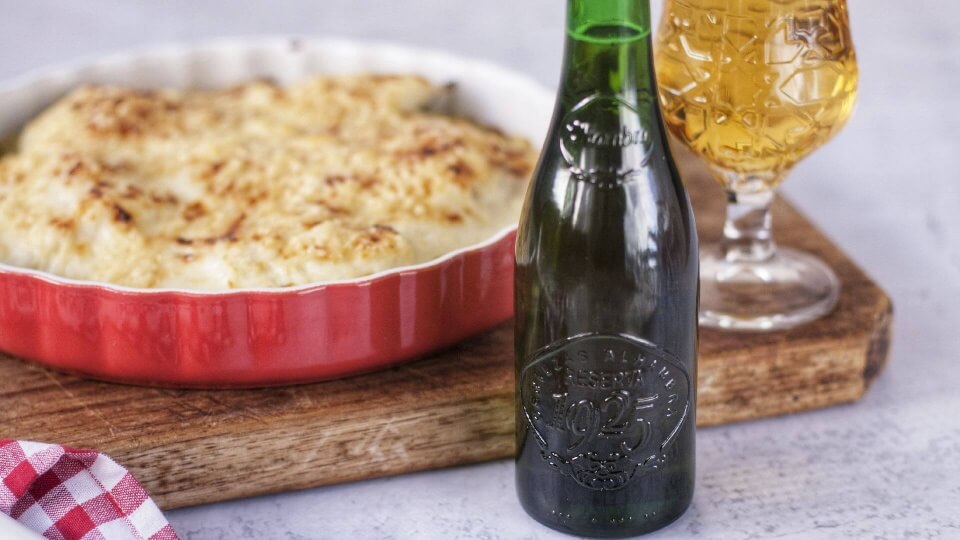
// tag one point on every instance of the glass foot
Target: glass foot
(786, 290)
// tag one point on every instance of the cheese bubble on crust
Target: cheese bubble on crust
(257, 185)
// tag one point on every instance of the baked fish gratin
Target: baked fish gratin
(258, 185)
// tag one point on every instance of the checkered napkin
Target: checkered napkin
(68, 494)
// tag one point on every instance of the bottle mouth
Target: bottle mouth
(609, 33)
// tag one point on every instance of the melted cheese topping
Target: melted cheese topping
(254, 186)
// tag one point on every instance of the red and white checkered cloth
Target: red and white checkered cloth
(68, 494)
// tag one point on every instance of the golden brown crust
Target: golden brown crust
(253, 186)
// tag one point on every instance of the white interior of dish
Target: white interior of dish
(487, 93)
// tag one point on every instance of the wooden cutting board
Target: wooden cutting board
(193, 447)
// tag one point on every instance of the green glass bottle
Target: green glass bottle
(606, 295)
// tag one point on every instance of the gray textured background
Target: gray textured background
(887, 188)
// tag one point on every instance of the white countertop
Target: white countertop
(887, 189)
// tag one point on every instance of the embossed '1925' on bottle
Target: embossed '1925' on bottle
(606, 296)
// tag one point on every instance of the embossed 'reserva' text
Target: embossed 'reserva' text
(605, 408)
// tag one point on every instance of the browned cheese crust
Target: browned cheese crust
(257, 185)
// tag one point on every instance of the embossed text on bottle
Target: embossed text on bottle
(604, 408)
(604, 141)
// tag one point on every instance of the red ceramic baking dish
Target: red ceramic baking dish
(260, 337)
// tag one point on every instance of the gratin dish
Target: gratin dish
(260, 337)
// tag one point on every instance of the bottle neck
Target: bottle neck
(608, 50)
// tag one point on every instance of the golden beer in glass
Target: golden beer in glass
(753, 86)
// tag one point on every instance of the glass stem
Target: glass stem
(747, 235)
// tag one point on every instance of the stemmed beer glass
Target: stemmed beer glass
(753, 86)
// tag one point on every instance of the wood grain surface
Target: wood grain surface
(456, 407)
